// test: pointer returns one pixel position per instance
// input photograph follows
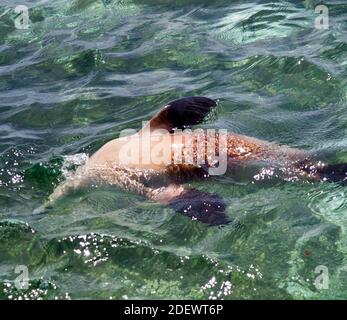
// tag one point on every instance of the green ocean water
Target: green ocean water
(85, 70)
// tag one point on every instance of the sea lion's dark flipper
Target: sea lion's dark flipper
(334, 173)
(329, 173)
(202, 206)
(182, 113)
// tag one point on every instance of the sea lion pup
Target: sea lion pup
(156, 161)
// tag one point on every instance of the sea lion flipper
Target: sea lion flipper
(327, 173)
(202, 206)
(333, 173)
(182, 113)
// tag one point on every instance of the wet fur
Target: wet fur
(164, 183)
